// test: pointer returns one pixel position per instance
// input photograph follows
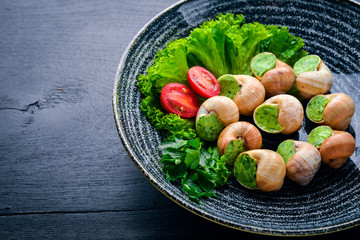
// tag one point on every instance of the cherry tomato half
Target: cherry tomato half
(203, 82)
(179, 99)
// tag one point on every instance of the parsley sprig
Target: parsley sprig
(198, 169)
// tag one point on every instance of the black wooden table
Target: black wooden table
(64, 173)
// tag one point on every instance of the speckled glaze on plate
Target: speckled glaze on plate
(331, 202)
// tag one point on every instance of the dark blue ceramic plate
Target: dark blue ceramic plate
(331, 202)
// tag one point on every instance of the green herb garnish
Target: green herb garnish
(199, 170)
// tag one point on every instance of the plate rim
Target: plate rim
(193, 209)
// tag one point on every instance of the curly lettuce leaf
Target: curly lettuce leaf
(207, 44)
(242, 44)
(285, 46)
(170, 65)
(174, 123)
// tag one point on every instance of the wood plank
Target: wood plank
(59, 148)
(146, 224)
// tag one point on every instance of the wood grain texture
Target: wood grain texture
(64, 173)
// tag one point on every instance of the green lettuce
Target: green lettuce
(283, 45)
(207, 44)
(170, 65)
(243, 44)
(167, 121)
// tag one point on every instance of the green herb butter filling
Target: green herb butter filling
(245, 170)
(306, 64)
(209, 127)
(286, 149)
(229, 86)
(233, 149)
(262, 63)
(266, 117)
(315, 108)
(319, 134)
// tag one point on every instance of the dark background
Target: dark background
(64, 173)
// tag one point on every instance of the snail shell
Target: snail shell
(223, 112)
(278, 80)
(336, 149)
(270, 170)
(316, 82)
(339, 111)
(246, 132)
(303, 164)
(290, 114)
(251, 94)
(336, 113)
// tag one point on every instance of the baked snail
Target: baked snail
(302, 160)
(237, 138)
(335, 146)
(279, 114)
(276, 76)
(214, 115)
(334, 110)
(246, 91)
(313, 77)
(260, 169)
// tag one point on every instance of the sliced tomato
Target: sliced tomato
(203, 82)
(179, 99)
